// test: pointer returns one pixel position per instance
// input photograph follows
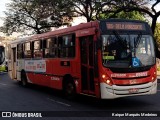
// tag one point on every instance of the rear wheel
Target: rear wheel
(69, 90)
(24, 79)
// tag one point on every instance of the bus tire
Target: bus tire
(24, 79)
(69, 90)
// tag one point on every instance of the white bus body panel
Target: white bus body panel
(114, 91)
(20, 67)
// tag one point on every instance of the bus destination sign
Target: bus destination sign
(125, 26)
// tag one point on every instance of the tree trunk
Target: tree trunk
(154, 19)
(38, 31)
(157, 51)
(88, 19)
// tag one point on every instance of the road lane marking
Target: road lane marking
(8, 85)
(2, 84)
(59, 102)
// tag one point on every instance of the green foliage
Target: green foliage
(158, 68)
(157, 34)
(91, 9)
(134, 15)
(102, 9)
(37, 16)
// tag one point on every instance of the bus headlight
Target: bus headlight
(107, 80)
(153, 79)
(154, 76)
(103, 76)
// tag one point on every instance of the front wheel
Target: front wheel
(69, 90)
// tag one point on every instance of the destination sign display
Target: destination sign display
(125, 26)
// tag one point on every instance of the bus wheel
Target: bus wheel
(69, 90)
(24, 80)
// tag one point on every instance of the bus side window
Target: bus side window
(72, 46)
(37, 52)
(60, 49)
(67, 46)
(51, 50)
(46, 50)
(44, 47)
(27, 50)
(9, 52)
(19, 51)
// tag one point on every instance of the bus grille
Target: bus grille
(129, 90)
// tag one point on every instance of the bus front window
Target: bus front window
(119, 51)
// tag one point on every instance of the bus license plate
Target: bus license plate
(133, 90)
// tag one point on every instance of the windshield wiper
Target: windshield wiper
(121, 41)
(137, 41)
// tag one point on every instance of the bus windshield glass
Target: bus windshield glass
(127, 50)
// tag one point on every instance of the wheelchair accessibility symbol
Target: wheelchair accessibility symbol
(135, 62)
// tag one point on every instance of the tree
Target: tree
(90, 9)
(142, 6)
(157, 34)
(134, 15)
(35, 15)
(100, 9)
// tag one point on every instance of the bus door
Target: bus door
(87, 65)
(13, 63)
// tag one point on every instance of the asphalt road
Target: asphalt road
(51, 103)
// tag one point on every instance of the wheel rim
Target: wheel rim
(23, 82)
(70, 89)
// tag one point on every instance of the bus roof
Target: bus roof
(65, 31)
(81, 26)
(18, 40)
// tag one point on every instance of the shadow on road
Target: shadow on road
(132, 103)
(127, 103)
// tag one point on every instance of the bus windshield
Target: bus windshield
(127, 50)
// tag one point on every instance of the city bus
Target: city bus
(106, 59)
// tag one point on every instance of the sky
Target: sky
(3, 8)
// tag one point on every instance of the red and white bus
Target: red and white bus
(106, 59)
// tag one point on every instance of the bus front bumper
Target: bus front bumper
(114, 91)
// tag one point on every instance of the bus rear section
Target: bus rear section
(128, 61)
